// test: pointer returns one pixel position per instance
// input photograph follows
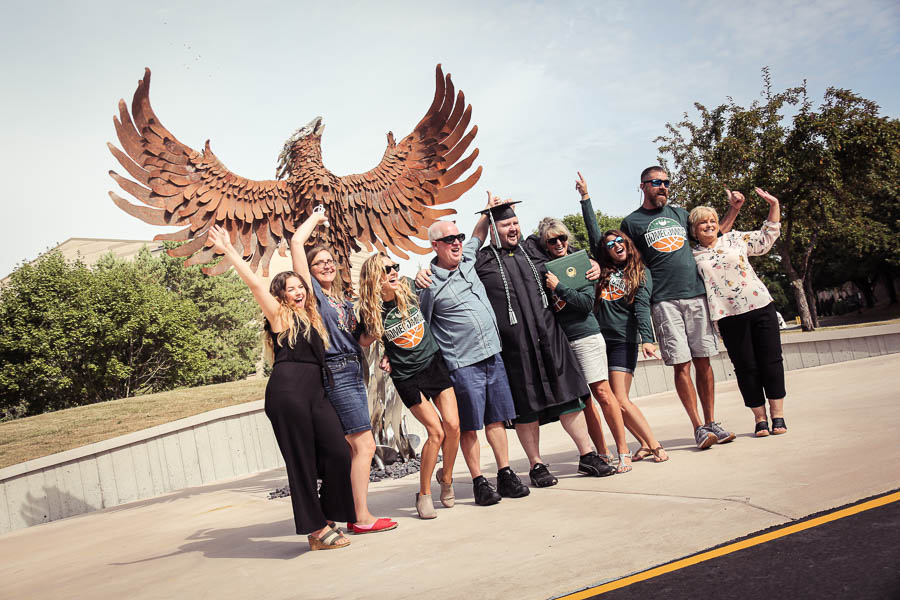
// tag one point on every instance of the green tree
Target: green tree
(230, 320)
(575, 225)
(831, 167)
(72, 336)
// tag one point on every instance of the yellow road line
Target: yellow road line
(749, 542)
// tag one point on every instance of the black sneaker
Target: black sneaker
(541, 476)
(485, 494)
(509, 485)
(591, 464)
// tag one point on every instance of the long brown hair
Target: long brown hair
(337, 286)
(633, 269)
(297, 318)
(370, 300)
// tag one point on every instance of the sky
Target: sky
(555, 87)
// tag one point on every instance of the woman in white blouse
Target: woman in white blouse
(742, 307)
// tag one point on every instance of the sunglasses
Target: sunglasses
(657, 182)
(388, 268)
(561, 239)
(450, 239)
(618, 240)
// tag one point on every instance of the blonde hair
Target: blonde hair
(297, 318)
(370, 300)
(551, 227)
(699, 215)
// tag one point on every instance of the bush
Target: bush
(70, 335)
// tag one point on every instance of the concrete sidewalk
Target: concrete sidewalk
(229, 541)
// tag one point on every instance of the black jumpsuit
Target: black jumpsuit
(309, 435)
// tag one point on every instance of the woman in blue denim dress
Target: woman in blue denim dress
(344, 358)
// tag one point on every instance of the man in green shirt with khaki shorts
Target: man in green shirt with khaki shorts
(678, 301)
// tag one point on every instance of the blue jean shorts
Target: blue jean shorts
(483, 394)
(621, 355)
(348, 394)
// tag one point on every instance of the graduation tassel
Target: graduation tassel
(512, 314)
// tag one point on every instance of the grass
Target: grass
(49, 433)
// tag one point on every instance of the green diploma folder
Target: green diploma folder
(570, 270)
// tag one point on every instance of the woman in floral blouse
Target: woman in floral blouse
(742, 307)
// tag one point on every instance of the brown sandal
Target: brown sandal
(641, 453)
(330, 541)
(656, 457)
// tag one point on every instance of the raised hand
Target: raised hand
(735, 199)
(219, 239)
(766, 196)
(581, 185)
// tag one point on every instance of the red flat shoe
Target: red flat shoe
(379, 525)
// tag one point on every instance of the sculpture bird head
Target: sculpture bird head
(303, 146)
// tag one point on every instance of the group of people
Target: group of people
(489, 336)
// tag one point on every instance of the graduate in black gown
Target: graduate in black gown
(544, 375)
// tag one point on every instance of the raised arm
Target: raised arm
(298, 253)
(760, 242)
(221, 242)
(735, 202)
(590, 217)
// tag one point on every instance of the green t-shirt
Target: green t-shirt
(408, 342)
(661, 235)
(621, 321)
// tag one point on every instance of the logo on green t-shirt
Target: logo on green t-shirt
(615, 289)
(405, 333)
(665, 234)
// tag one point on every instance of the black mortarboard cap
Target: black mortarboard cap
(501, 212)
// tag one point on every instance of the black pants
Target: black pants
(312, 443)
(754, 347)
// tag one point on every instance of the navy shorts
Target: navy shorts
(483, 394)
(621, 356)
(430, 381)
(348, 394)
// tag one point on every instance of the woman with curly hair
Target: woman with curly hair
(306, 427)
(622, 307)
(389, 311)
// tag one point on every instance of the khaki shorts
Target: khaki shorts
(591, 355)
(684, 330)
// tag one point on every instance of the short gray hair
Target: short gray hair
(433, 230)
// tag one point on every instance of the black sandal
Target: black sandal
(762, 428)
(778, 423)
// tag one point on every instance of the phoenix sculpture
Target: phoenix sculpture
(381, 208)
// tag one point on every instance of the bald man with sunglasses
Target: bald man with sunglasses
(678, 301)
(456, 306)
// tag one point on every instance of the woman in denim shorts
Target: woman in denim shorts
(347, 392)
(622, 308)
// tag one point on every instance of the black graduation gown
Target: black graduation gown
(542, 368)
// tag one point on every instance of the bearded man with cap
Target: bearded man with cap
(543, 371)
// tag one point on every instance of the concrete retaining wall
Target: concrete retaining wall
(238, 440)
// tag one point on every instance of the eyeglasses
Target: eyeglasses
(618, 240)
(450, 239)
(560, 239)
(324, 263)
(388, 268)
(657, 182)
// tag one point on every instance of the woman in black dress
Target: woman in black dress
(306, 427)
